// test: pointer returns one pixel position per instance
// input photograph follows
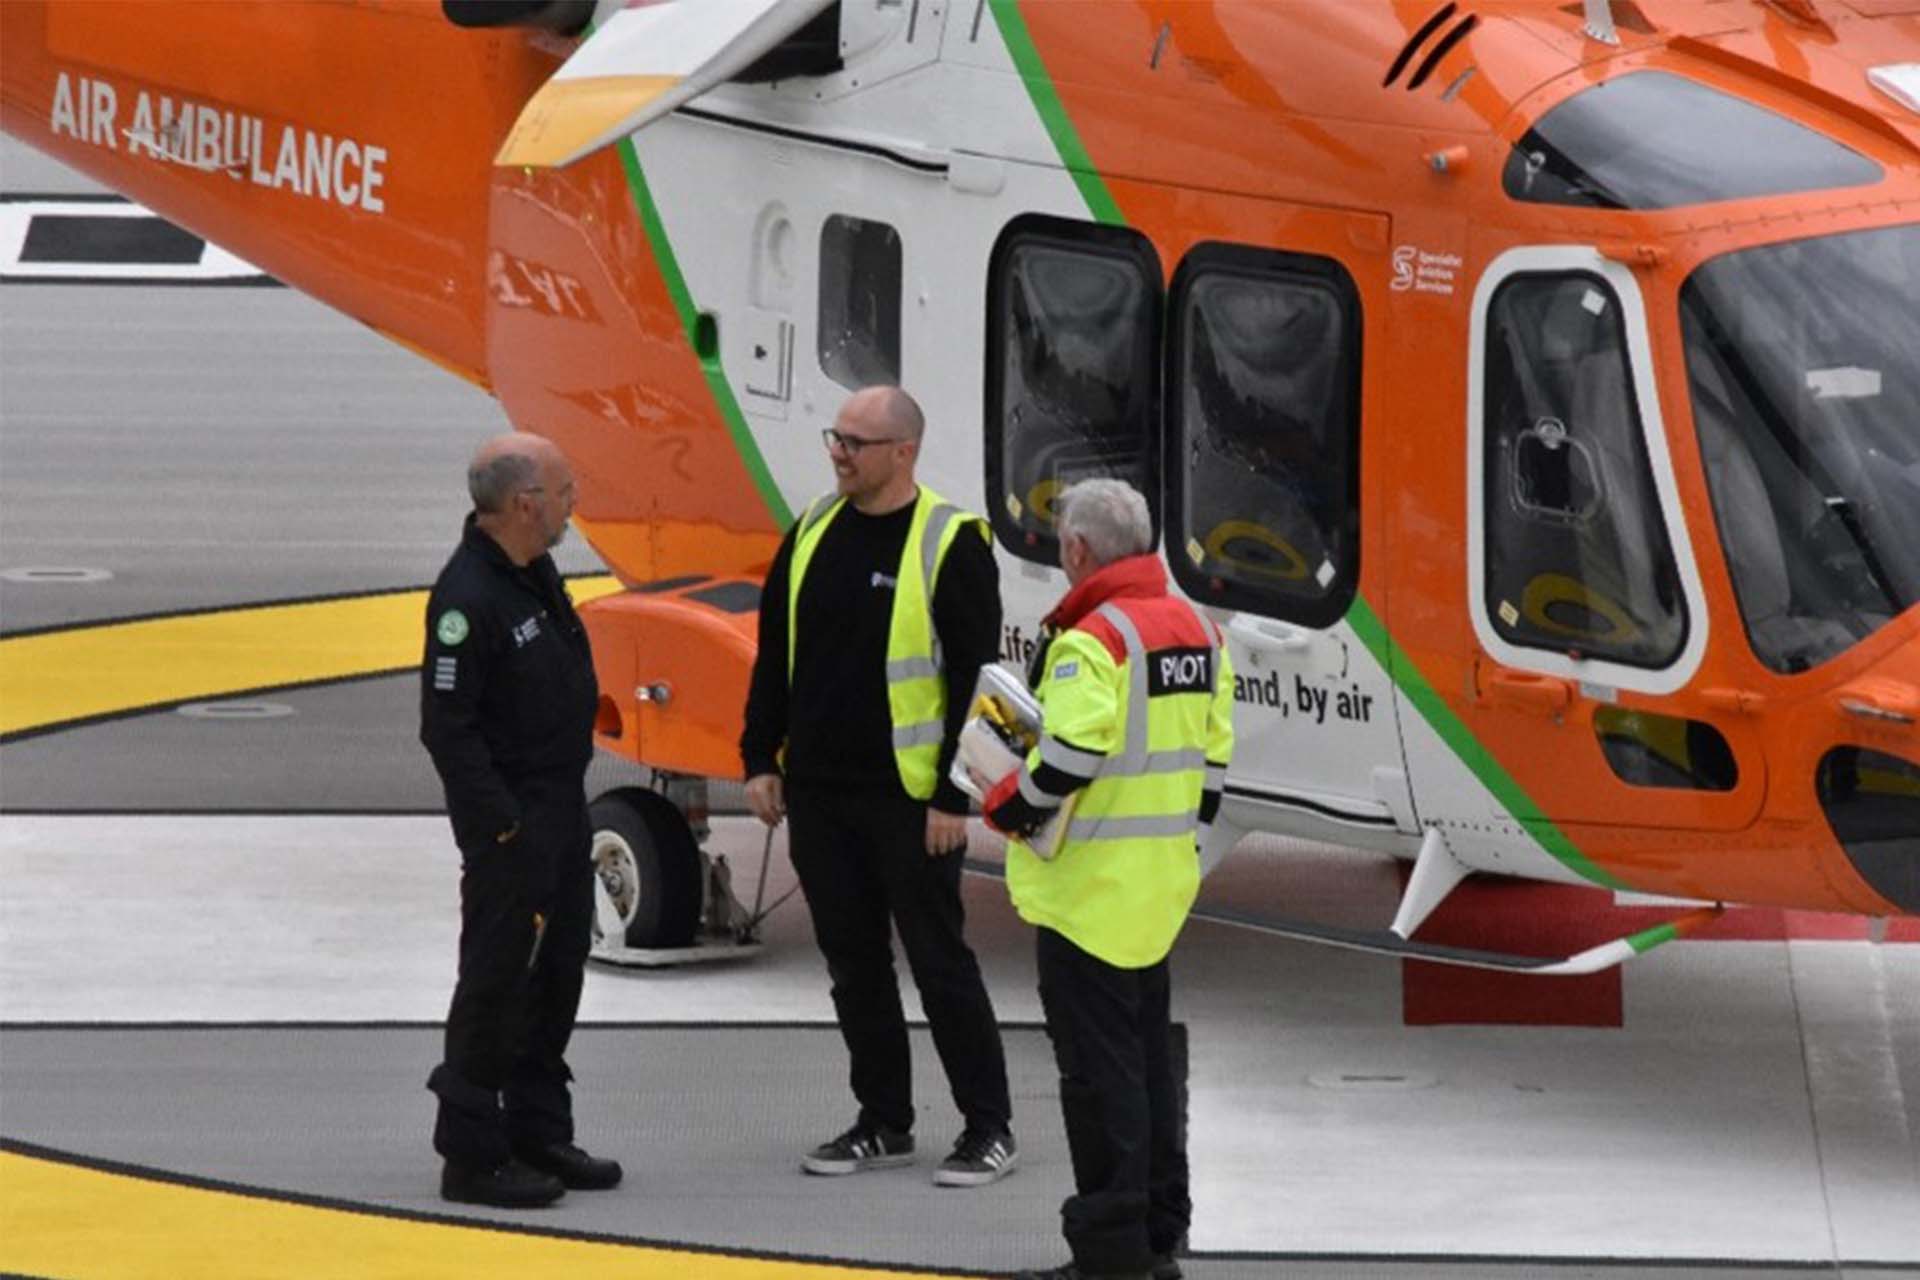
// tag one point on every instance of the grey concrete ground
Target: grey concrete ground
(218, 447)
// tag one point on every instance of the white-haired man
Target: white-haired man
(1138, 699)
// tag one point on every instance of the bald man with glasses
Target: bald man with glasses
(879, 610)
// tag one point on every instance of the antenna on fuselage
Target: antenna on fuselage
(1600, 22)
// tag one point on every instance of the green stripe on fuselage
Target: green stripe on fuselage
(683, 304)
(1472, 752)
(1053, 114)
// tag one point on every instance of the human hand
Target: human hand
(767, 797)
(946, 833)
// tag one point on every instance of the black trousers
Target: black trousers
(862, 861)
(526, 911)
(1126, 1131)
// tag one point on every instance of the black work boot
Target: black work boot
(577, 1170)
(508, 1185)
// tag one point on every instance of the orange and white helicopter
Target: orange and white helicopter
(1532, 389)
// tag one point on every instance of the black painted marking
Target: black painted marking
(729, 597)
(799, 135)
(1296, 802)
(670, 584)
(116, 241)
(1441, 50)
(1419, 38)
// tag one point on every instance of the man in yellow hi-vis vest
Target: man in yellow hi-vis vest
(878, 612)
(1137, 692)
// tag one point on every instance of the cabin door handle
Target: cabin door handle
(1526, 691)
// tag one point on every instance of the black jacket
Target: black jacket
(507, 690)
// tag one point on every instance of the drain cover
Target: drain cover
(54, 573)
(235, 710)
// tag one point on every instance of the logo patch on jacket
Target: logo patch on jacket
(1067, 670)
(444, 671)
(1179, 671)
(452, 627)
(527, 632)
(881, 582)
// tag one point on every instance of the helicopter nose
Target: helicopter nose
(1869, 785)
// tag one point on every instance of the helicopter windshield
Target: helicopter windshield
(1803, 363)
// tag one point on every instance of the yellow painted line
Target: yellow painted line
(67, 1222)
(57, 677)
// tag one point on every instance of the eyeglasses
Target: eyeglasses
(853, 444)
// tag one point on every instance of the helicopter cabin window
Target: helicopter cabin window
(1577, 556)
(1614, 145)
(1800, 360)
(860, 279)
(1073, 387)
(1263, 435)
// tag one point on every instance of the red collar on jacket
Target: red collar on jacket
(1140, 577)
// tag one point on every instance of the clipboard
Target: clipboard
(1002, 726)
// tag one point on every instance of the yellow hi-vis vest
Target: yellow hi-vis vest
(916, 691)
(1128, 869)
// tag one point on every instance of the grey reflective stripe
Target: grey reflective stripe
(918, 735)
(1081, 764)
(1173, 824)
(1030, 792)
(1206, 624)
(817, 511)
(1184, 760)
(911, 669)
(1216, 777)
(1133, 759)
(937, 521)
(942, 515)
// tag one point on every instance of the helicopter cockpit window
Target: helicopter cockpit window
(1073, 336)
(1800, 360)
(860, 278)
(1616, 146)
(1263, 436)
(1577, 557)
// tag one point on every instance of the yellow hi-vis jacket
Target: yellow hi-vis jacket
(916, 687)
(1138, 731)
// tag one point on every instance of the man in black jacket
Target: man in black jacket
(879, 609)
(507, 700)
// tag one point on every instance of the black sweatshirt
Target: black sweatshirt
(834, 721)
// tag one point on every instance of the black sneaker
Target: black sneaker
(511, 1185)
(1165, 1267)
(978, 1159)
(860, 1149)
(576, 1170)
(1072, 1272)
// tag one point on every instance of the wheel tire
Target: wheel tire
(647, 870)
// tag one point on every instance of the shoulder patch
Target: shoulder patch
(452, 627)
(1067, 670)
